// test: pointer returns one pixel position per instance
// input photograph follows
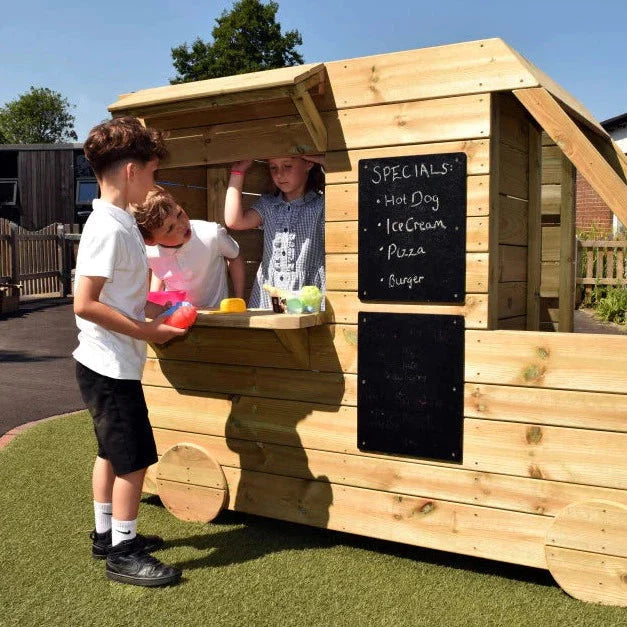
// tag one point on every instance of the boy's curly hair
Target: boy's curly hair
(122, 139)
(155, 209)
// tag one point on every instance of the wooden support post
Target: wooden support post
(567, 249)
(63, 263)
(297, 342)
(579, 256)
(311, 117)
(534, 229)
(577, 147)
(217, 183)
(494, 274)
(15, 271)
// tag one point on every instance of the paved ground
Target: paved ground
(585, 322)
(36, 368)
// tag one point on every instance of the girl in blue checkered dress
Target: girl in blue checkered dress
(292, 220)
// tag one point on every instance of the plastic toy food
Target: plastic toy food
(294, 305)
(161, 298)
(276, 296)
(182, 315)
(230, 305)
(311, 298)
(306, 301)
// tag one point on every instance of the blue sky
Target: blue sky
(91, 52)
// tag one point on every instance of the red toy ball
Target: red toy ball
(183, 317)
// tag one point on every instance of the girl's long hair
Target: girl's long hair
(315, 179)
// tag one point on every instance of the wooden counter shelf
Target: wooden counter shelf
(257, 319)
(290, 329)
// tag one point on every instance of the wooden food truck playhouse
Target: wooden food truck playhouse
(424, 405)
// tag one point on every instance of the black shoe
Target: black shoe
(101, 544)
(128, 562)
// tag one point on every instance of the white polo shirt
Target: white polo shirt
(198, 266)
(112, 247)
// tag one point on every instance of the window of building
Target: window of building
(86, 191)
(8, 192)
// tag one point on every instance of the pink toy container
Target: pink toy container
(161, 298)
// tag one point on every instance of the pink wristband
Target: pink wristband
(237, 172)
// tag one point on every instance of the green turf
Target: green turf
(239, 570)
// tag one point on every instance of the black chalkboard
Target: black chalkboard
(411, 382)
(412, 228)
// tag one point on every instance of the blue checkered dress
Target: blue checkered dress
(293, 245)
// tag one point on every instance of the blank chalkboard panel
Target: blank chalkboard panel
(411, 380)
(412, 228)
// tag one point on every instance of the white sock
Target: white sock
(122, 530)
(102, 512)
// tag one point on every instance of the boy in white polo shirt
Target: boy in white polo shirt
(110, 306)
(186, 254)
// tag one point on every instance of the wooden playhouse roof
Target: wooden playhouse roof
(226, 90)
(453, 70)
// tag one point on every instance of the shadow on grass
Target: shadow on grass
(259, 536)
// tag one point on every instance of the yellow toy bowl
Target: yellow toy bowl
(232, 305)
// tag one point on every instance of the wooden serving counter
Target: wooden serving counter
(251, 337)
(257, 319)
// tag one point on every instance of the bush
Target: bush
(613, 306)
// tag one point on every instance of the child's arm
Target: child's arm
(234, 214)
(87, 305)
(237, 270)
(156, 284)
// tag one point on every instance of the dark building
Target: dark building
(45, 183)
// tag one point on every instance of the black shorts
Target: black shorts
(120, 418)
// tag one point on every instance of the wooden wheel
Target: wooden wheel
(586, 551)
(191, 483)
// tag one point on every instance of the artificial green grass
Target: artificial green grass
(238, 570)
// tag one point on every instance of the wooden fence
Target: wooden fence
(37, 263)
(601, 262)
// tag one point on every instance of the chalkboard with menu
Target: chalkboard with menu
(410, 372)
(412, 228)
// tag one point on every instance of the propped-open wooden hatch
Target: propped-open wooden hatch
(531, 465)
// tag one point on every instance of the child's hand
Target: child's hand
(241, 166)
(158, 332)
(314, 159)
(153, 310)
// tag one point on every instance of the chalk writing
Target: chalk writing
(417, 199)
(411, 224)
(397, 172)
(404, 281)
(412, 228)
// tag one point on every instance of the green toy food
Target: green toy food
(311, 297)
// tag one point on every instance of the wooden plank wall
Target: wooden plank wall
(557, 192)
(46, 183)
(551, 204)
(189, 188)
(511, 219)
(545, 425)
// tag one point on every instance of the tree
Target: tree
(40, 116)
(246, 39)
